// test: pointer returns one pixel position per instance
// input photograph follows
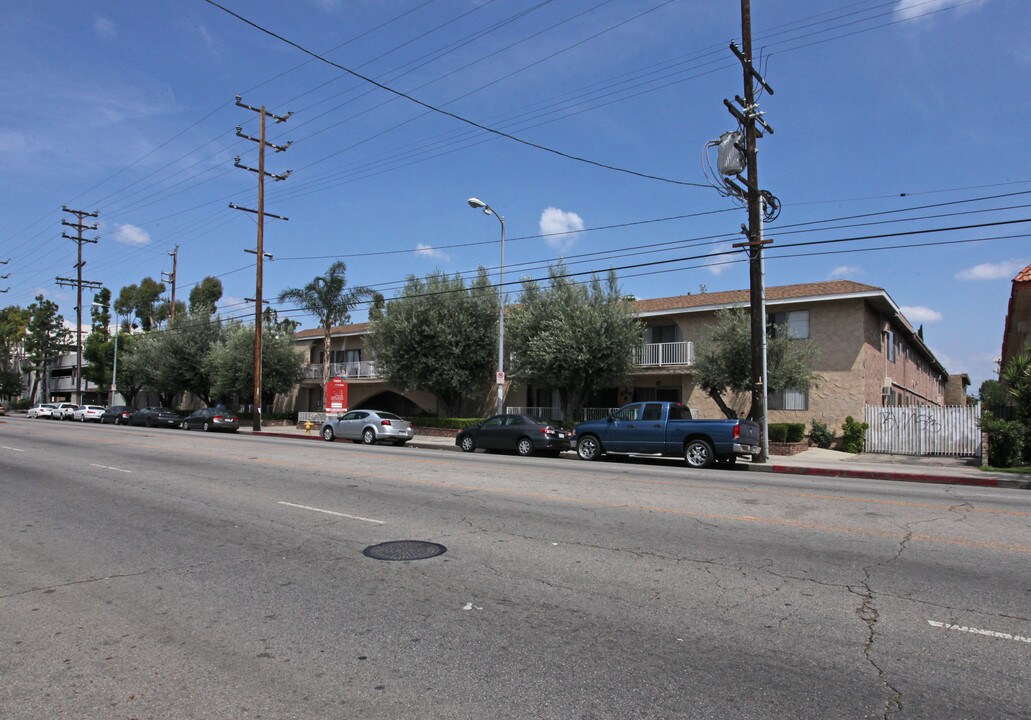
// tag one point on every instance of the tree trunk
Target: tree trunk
(327, 338)
(718, 398)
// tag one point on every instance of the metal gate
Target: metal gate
(924, 430)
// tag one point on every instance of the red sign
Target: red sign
(336, 396)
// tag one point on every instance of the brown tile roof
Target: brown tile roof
(1024, 275)
(316, 333)
(779, 292)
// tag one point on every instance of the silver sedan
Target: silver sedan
(369, 427)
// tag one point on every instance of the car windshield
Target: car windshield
(388, 416)
(163, 411)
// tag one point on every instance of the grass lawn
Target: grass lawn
(1019, 470)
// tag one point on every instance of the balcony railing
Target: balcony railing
(668, 353)
(347, 370)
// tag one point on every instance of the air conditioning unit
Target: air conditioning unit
(886, 387)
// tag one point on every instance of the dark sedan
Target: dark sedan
(155, 417)
(209, 419)
(117, 414)
(522, 433)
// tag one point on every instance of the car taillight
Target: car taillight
(548, 430)
(737, 430)
(385, 423)
(217, 418)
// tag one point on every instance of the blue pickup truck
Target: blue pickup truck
(666, 428)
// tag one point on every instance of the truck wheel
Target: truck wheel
(698, 454)
(588, 448)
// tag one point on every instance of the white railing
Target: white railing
(594, 413)
(348, 370)
(669, 353)
(924, 430)
(317, 418)
(548, 413)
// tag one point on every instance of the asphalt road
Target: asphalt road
(164, 574)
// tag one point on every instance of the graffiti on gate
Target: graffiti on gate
(891, 420)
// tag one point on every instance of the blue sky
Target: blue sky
(879, 107)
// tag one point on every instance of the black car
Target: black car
(117, 414)
(522, 433)
(208, 419)
(155, 417)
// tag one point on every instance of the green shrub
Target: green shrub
(854, 435)
(447, 423)
(21, 404)
(796, 432)
(778, 432)
(1005, 440)
(821, 435)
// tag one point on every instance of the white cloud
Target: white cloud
(718, 262)
(12, 142)
(131, 235)
(844, 270)
(104, 27)
(919, 314)
(562, 227)
(429, 251)
(909, 9)
(1005, 270)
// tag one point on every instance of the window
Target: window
(652, 411)
(664, 333)
(628, 413)
(514, 420)
(793, 324)
(495, 421)
(788, 400)
(889, 345)
(679, 412)
(352, 356)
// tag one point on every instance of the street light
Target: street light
(478, 204)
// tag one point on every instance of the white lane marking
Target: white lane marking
(330, 512)
(107, 467)
(976, 631)
(470, 606)
(11, 448)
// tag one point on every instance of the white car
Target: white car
(88, 412)
(41, 410)
(63, 411)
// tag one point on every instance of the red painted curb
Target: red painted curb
(286, 435)
(906, 477)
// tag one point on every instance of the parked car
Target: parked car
(155, 417)
(523, 433)
(369, 427)
(88, 412)
(3, 409)
(667, 428)
(209, 419)
(41, 410)
(117, 414)
(63, 411)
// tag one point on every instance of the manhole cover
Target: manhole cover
(404, 550)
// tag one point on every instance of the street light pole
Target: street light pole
(478, 204)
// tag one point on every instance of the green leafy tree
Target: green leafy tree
(439, 336)
(231, 361)
(726, 364)
(133, 371)
(992, 392)
(181, 354)
(46, 337)
(98, 349)
(328, 298)
(1015, 378)
(141, 302)
(573, 336)
(205, 295)
(14, 321)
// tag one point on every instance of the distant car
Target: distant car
(117, 414)
(155, 417)
(522, 433)
(209, 419)
(63, 411)
(369, 427)
(3, 409)
(41, 410)
(91, 413)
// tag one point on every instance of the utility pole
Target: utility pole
(171, 277)
(259, 252)
(747, 114)
(79, 284)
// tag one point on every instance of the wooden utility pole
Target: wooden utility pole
(172, 278)
(78, 283)
(749, 116)
(259, 252)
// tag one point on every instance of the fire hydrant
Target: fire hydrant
(307, 427)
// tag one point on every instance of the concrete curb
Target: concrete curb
(822, 471)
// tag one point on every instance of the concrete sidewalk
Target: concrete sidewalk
(814, 461)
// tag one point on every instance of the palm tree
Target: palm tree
(328, 298)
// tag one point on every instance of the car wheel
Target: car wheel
(588, 448)
(327, 434)
(369, 436)
(468, 444)
(185, 425)
(206, 427)
(524, 447)
(698, 454)
(149, 423)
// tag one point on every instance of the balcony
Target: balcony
(347, 371)
(660, 354)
